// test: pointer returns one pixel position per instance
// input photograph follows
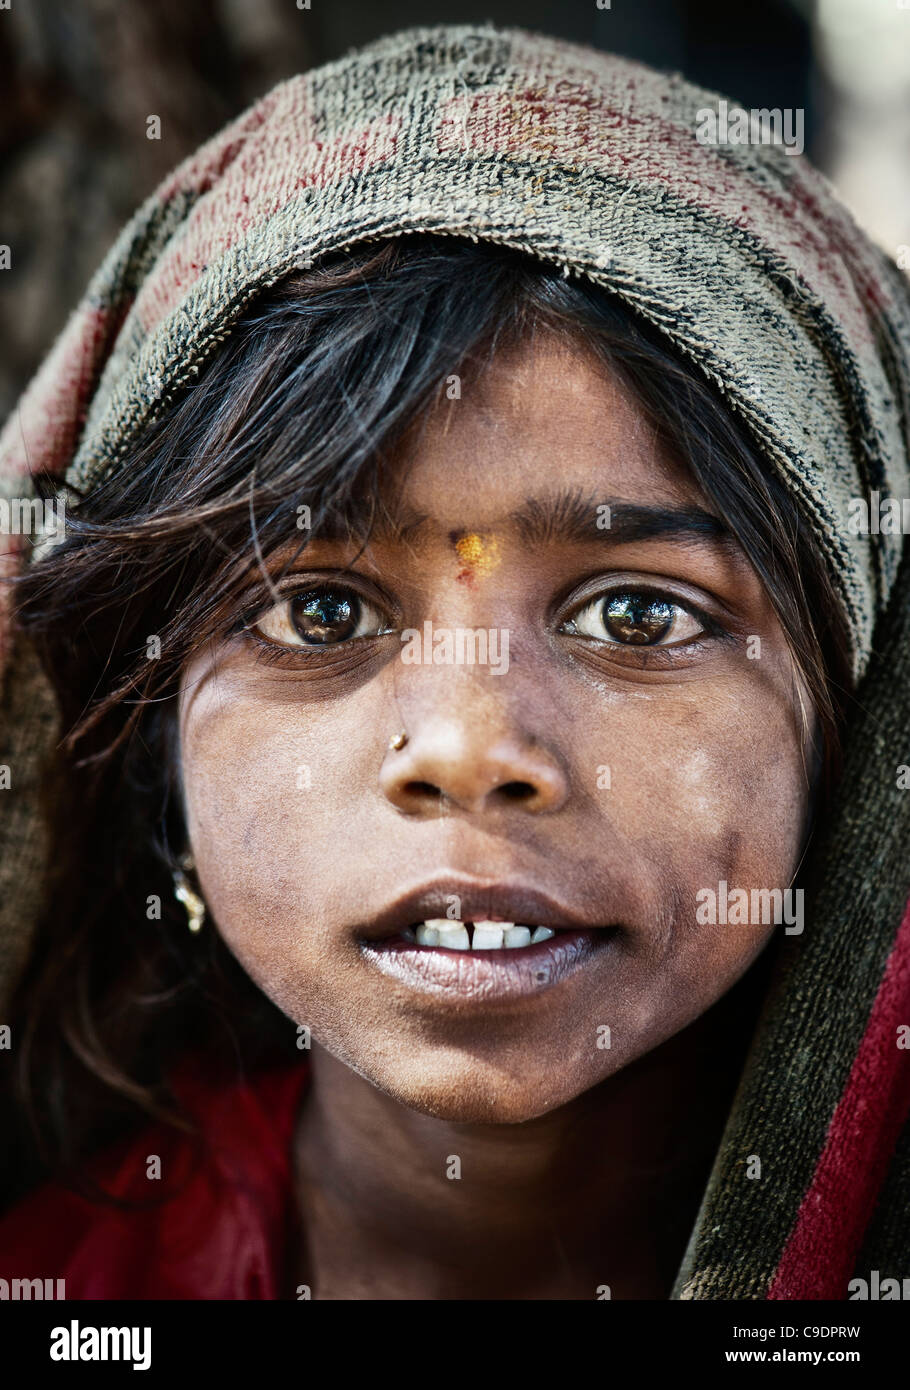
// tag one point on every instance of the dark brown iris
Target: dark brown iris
(325, 615)
(637, 618)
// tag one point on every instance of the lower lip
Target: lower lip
(485, 976)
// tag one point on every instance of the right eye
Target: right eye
(320, 616)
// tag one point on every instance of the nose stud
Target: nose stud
(398, 741)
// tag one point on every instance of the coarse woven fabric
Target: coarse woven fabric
(744, 259)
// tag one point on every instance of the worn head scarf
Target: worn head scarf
(740, 254)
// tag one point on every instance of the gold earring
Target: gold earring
(398, 741)
(195, 907)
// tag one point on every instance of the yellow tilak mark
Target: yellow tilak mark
(478, 554)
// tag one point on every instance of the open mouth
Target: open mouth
(454, 935)
(470, 941)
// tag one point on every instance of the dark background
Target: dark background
(80, 77)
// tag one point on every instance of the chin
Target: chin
(482, 1094)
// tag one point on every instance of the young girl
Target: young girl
(455, 714)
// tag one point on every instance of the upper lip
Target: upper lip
(478, 902)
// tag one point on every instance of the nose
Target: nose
(472, 765)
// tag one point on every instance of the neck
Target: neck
(602, 1191)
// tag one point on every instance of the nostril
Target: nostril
(517, 791)
(421, 789)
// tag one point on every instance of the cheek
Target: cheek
(280, 803)
(707, 786)
(724, 780)
(254, 775)
(281, 799)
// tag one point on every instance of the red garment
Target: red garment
(230, 1232)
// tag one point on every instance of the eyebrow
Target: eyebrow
(566, 515)
(571, 516)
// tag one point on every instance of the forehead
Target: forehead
(543, 415)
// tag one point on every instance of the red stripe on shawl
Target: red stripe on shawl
(42, 431)
(621, 134)
(266, 174)
(820, 1254)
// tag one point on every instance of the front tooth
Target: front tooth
(517, 936)
(454, 935)
(488, 936)
(427, 934)
(541, 934)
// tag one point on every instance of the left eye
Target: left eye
(319, 617)
(635, 620)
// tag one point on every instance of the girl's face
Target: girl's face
(626, 741)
